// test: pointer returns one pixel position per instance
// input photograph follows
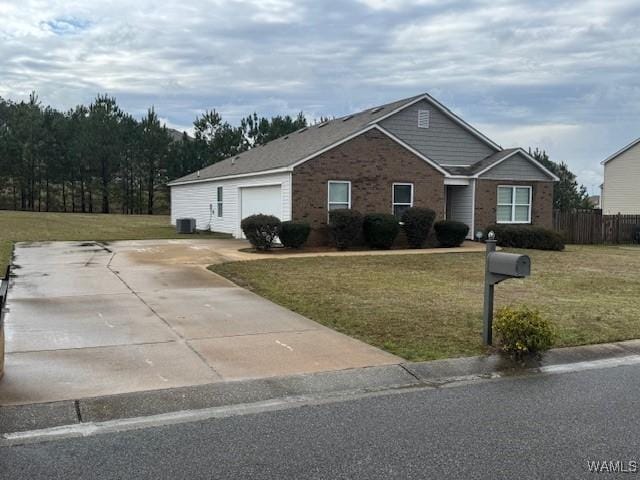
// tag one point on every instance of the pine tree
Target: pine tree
(567, 194)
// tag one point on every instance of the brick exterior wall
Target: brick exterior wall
(372, 162)
(486, 202)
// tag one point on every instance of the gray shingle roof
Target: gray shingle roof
(287, 150)
(482, 164)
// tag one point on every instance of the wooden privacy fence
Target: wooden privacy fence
(591, 226)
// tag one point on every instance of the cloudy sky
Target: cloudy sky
(559, 75)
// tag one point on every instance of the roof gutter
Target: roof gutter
(228, 177)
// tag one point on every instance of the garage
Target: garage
(265, 199)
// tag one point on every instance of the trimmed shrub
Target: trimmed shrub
(294, 234)
(380, 230)
(345, 226)
(261, 230)
(522, 331)
(450, 233)
(416, 223)
(526, 236)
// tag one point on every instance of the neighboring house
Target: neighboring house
(621, 187)
(594, 201)
(413, 152)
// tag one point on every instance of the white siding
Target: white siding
(194, 200)
(621, 188)
(460, 205)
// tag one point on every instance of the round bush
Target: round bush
(450, 233)
(294, 234)
(526, 236)
(345, 226)
(380, 230)
(261, 230)
(523, 331)
(416, 223)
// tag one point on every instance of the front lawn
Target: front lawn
(41, 226)
(424, 307)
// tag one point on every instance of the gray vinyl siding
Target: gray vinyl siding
(460, 204)
(444, 141)
(516, 167)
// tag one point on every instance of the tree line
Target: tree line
(98, 158)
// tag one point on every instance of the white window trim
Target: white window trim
(219, 201)
(393, 202)
(329, 202)
(513, 204)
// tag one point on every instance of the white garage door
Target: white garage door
(266, 200)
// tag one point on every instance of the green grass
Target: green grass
(36, 226)
(424, 307)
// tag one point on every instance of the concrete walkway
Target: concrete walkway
(208, 252)
(87, 320)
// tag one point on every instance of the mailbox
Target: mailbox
(509, 264)
(499, 266)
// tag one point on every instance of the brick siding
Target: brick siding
(372, 162)
(486, 202)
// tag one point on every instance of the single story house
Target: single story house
(620, 192)
(412, 152)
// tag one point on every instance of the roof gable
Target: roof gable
(518, 169)
(446, 140)
(621, 151)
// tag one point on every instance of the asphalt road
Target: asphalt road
(546, 426)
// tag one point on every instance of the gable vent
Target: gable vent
(423, 118)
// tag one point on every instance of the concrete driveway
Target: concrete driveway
(87, 319)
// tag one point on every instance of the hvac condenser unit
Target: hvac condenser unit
(186, 225)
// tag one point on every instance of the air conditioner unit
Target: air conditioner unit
(186, 225)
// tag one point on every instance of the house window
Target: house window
(402, 198)
(423, 118)
(219, 201)
(514, 205)
(339, 195)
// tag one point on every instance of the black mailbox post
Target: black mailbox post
(499, 266)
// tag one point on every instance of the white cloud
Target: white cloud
(555, 73)
(398, 5)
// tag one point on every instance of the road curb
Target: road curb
(435, 373)
(449, 370)
(153, 402)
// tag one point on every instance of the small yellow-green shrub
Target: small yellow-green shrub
(523, 331)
